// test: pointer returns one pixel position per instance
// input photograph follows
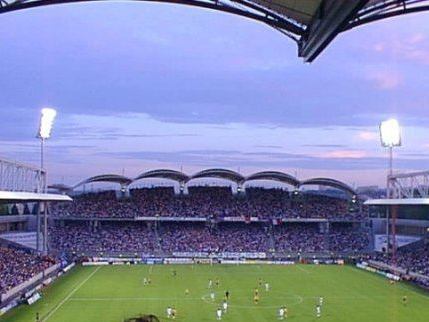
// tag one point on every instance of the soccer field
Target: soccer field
(112, 293)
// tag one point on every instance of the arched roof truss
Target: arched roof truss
(111, 178)
(164, 174)
(220, 174)
(274, 176)
(330, 183)
(63, 188)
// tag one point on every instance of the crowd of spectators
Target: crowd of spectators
(411, 259)
(18, 266)
(96, 205)
(179, 237)
(346, 238)
(299, 238)
(414, 259)
(169, 237)
(207, 202)
(145, 238)
(108, 237)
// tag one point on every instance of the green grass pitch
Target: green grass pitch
(112, 293)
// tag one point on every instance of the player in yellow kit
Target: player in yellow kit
(173, 313)
(256, 296)
(256, 299)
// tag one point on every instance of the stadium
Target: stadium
(223, 240)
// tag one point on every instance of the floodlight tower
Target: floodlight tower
(47, 118)
(390, 135)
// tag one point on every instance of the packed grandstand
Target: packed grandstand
(208, 221)
(206, 202)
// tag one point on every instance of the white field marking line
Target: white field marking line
(242, 273)
(300, 299)
(70, 295)
(303, 269)
(402, 286)
(359, 294)
(90, 299)
(205, 297)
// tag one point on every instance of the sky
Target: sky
(140, 86)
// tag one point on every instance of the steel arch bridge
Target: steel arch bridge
(312, 24)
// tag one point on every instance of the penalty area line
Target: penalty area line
(55, 309)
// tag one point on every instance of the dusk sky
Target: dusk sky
(140, 86)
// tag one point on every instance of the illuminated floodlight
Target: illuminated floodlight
(390, 133)
(47, 118)
(46, 123)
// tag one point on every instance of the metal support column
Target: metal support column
(388, 195)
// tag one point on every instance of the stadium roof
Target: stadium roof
(164, 174)
(225, 174)
(275, 176)
(63, 188)
(312, 24)
(219, 173)
(14, 196)
(398, 202)
(329, 183)
(114, 178)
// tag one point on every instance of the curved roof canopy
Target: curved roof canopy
(19, 196)
(113, 178)
(330, 183)
(275, 176)
(219, 173)
(164, 174)
(312, 24)
(63, 188)
(211, 173)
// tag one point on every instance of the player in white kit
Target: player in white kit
(212, 296)
(281, 313)
(225, 306)
(318, 311)
(169, 312)
(267, 287)
(219, 314)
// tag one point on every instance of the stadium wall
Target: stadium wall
(255, 258)
(34, 280)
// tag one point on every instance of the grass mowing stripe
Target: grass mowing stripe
(46, 318)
